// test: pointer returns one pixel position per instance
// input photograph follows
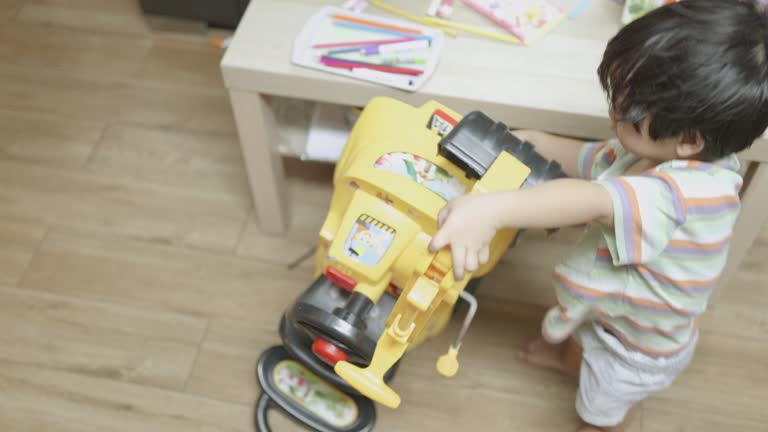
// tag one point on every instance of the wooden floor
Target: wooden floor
(136, 291)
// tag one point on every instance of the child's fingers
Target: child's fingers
(439, 241)
(471, 263)
(484, 255)
(442, 216)
(459, 255)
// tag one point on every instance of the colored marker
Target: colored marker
(383, 48)
(362, 27)
(402, 59)
(404, 46)
(375, 24)
(403, 14)
(361, 43)
(349, 64)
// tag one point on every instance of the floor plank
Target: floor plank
(86, 403)
(731, 364)
(112, 205)
(18, 241)
(9, 9)
(683, 418)
(159, 277)
(98, 339)
(183, 60)
(204, 164)
(226, 367)
(46, 139)
(106, 17)
(63, 51)
(129, 101)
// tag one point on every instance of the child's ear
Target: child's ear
(690, 145)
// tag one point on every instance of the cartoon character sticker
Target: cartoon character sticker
(327, 403)
(369, 240)
(424, 172)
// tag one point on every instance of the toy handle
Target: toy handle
(260, 414)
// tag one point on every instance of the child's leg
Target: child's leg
(564, 357)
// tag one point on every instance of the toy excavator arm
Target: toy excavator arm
(476, 145)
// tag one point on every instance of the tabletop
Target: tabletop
(551, 84)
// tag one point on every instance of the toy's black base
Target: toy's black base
(315, 315)
(322, 312)
(354, 413)
(316, 305)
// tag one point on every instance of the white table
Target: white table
(551, 86)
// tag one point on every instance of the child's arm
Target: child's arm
(469, 223)
(564, 150)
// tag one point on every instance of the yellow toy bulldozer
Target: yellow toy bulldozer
(378, 290)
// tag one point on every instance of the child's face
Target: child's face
(640, 142)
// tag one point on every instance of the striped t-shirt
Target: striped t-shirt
(649, 277)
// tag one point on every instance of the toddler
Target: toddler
(687, 86)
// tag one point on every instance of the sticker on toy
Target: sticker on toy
(312, 393)
(424, 172)
(441, 122)
(369, 240)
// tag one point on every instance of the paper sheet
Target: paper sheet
(328, 133)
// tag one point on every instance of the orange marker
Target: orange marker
(375, 24)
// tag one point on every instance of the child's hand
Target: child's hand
(467, 224)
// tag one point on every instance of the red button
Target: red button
(328, 352)
(340, 279)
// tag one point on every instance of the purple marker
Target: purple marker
(395, 47)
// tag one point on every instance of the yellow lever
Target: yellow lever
(448, 364)
(415, 302)
(370, 381)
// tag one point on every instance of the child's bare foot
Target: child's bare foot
(565, 357)
(540, 353)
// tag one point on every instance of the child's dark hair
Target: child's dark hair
(695, 67)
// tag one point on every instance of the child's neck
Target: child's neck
(641, 165)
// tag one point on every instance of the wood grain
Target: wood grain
(86, 403)
(106, 17)
(19, 239)
(194, 162)
(137, 292)
(98, 339)
(159, 277)
(109, 204)
(47, 139)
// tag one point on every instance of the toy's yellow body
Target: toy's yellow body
(389, 185)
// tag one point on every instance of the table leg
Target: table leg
(258, 140)
(754, 213)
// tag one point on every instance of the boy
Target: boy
(687, 86)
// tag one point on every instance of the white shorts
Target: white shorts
(613, 378)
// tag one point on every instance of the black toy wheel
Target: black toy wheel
(308, 400)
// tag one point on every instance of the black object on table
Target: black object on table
(217, 13)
